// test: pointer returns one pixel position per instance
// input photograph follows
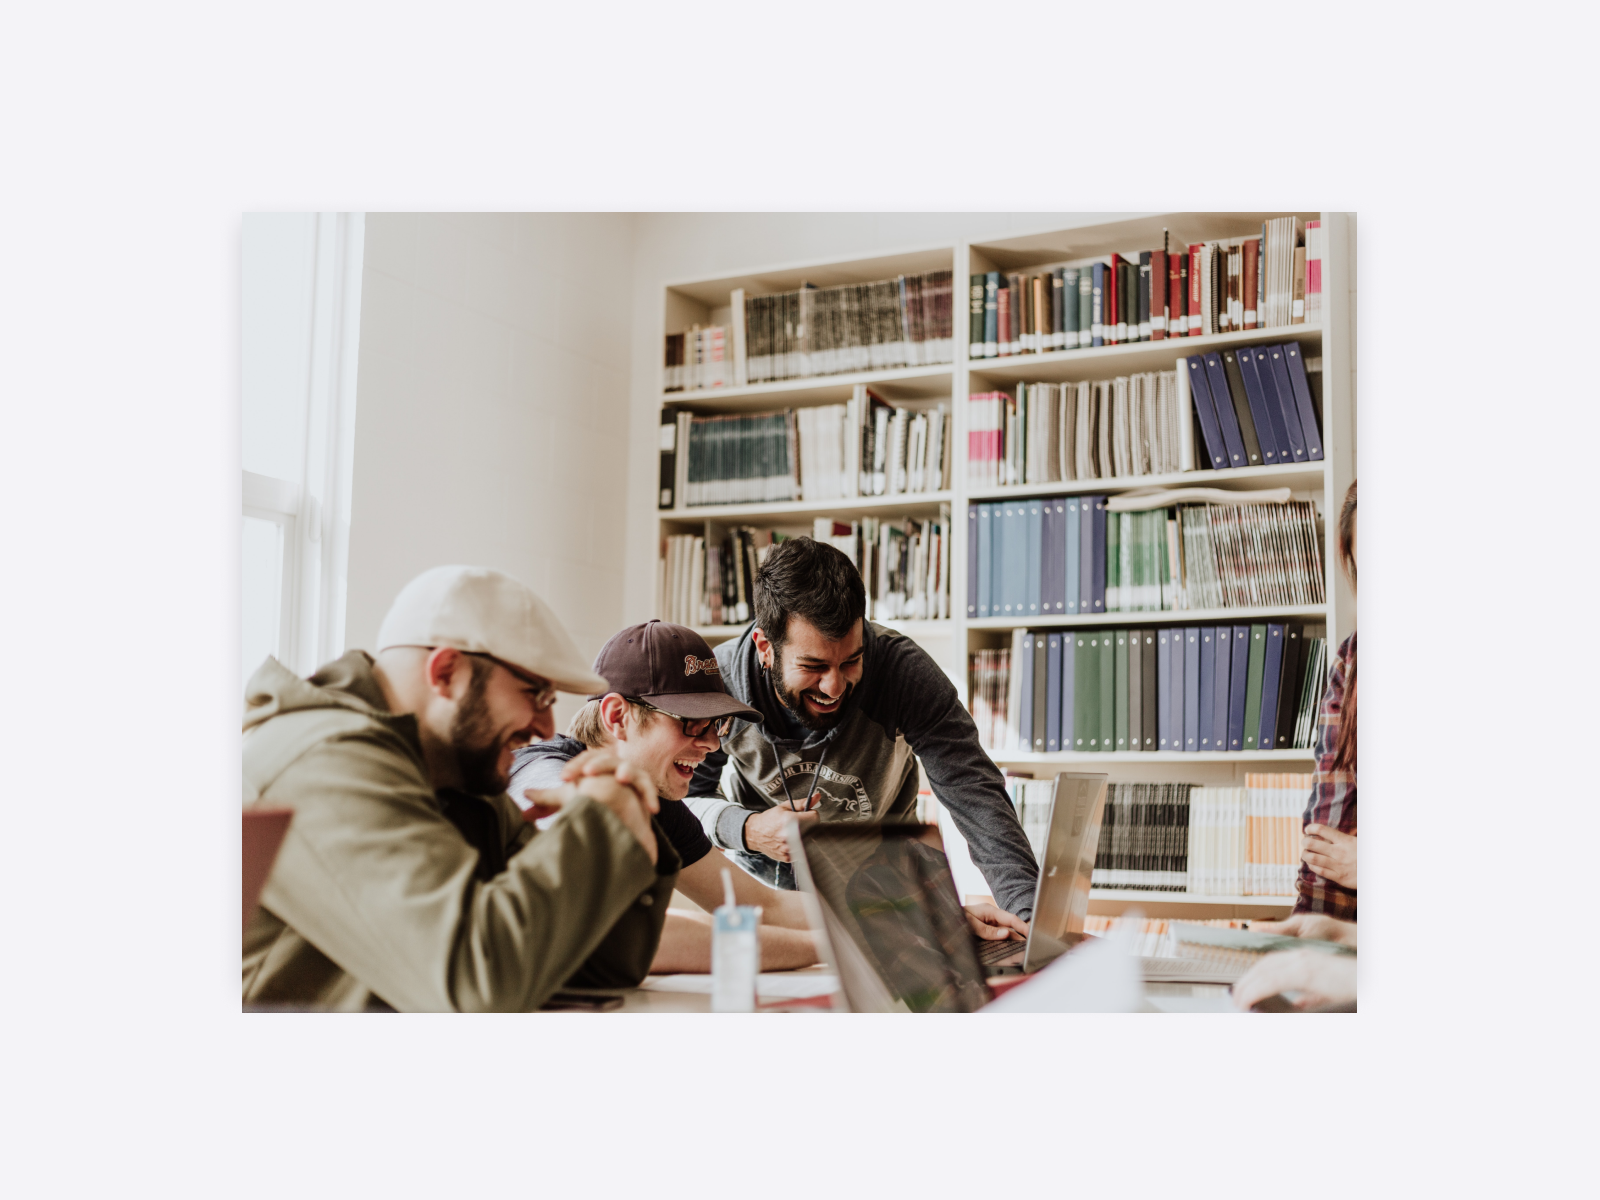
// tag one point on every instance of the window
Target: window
(301, 309)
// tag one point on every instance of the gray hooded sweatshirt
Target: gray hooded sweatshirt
(904, 709)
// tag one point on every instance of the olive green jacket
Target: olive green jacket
(373, 901)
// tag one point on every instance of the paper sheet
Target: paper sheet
(768, 987)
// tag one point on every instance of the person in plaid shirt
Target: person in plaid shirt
(1327, 881)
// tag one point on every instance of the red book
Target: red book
(1251, 264)
(1158, 295)
(1111, 309)
(1003, 320)
(1195, 283)
(1177, 321)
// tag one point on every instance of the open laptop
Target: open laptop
(1061, 897)
(892, 927)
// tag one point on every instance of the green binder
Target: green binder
(1108, 679)
(1114, 601)
(1252, 695)
(1119, 698)
(1086, 694)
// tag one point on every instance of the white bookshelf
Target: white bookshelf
(949, 642)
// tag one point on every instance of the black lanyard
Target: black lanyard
(783, 776)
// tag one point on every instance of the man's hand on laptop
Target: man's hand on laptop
(610, 781)
(768, 832)
(993, 924)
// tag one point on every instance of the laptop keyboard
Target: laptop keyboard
(990, 953)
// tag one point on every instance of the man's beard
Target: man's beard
(473, 741)
(797, 705)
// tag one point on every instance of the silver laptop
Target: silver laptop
(1061, 897)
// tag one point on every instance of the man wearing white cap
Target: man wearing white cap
(408, 879)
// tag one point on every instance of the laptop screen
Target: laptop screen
(890, 906)
(1062, 900)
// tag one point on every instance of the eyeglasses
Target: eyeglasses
(693, 727)
(544, 692)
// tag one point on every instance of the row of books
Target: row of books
(1254, 407)
(698, 358)
(1187, 837)
(864, 447)
(1262, 281)
(1191, 689)
(905, 566)
(899, 322)
(906, 563)
(1099, 429)
(1049, 556)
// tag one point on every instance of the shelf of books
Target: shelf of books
(1103, 495)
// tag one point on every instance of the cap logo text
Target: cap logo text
(691, 664)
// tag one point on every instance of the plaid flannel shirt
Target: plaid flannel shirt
(1333, 798)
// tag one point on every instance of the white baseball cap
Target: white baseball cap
(487, 612)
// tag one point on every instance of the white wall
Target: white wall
(492, 414)
(674, 247)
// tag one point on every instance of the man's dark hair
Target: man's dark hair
(812, 580)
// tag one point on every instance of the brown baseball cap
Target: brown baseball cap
(672, 668)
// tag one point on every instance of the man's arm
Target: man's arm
(379, 881)
(702, 882)
(721, 818)
(686, 946)
(942, 734)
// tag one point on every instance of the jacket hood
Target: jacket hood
(345, 683)
(755, 690)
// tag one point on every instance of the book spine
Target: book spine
(669, 458)
(1053, 695)
(1313, 272)
(972, 560)
(1146, 295)
(1160, 305)
(1098, 294)
(1191, 688)
(1085, 307)
(1252, 258)
(1196, 251)
(1298, 309)
(975, 307)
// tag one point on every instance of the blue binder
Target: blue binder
(1163, 690)
(1057, 541)
(1271, 674)
(972, 560)
(1208, 686)
(1269, 423)
(1052, 718)
(1227, 420)
(1295, 372)
(1069, 688)
(1071, 532)
(1191, 688)
(1238, 680)
(1215, 451)
(1025, 717)
(1222, 636)
(1174, 685)
(1282, 404)
(1097, 557)
(986, 560)
(1033, 586)
(1016, 538)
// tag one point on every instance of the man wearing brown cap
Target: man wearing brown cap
(408, 879)
(664, 711)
